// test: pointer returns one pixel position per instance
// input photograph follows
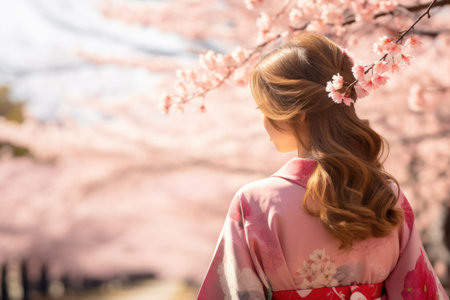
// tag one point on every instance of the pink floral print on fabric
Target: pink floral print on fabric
(420, 282)
(317, 271)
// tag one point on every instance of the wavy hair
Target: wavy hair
(349, 190)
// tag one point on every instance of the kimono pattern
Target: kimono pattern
(270, 248)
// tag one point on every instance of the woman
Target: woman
(331, 223)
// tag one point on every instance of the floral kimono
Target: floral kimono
(270, 248)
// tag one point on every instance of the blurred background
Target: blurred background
(105, 197)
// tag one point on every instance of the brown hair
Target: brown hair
(351, 193)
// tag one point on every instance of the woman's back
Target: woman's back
(270, 244)
(313, 257)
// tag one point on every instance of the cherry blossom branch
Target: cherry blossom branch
(243, 58)
(412, 8)
(379, 69)
(419, 7)
(426, 13)
(217, 69)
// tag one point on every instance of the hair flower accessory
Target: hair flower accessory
(394, 57)
(333, 87)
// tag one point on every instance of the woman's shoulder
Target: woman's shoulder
(292, 175)
(271, 194)
(267, 187)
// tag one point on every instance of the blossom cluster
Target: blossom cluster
(276, 21)
(333, 88)
(322, 16)
(376, 74)
(215, 69)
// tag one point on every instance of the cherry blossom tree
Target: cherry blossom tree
(327, 17)
(384, 37)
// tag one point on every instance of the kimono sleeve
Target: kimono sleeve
(231, 274)
(413, 276)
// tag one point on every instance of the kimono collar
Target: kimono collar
(297, 170)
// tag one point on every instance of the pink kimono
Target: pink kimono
(270, 248)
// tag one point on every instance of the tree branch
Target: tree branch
(413, 8)
(418, 7)
(430, 33)
(230, 70)
(425, 13)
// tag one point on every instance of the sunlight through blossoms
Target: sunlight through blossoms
(276, 24)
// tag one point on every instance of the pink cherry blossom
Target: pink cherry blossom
(205, 82)
(295, 17)
(250, 4)
(347, 100)
(264, 23)
(386, 45)
(240, 76)
(381, 67)
(379, 80)
(358, 72)
(364, 10)
(360, 91)
(394, 49)
(394, 67)
(318, 26)
(225, 60)
(166, 103)
(333, 94)
(181, 86)
(384, 41)
(208, 60)
(413, 43)
(336, 96)
(239, 55)
(307, 6)
(338, 81)
(331, 15)
(387, 5)
(330, 88)
(188, 75)
(406, 59)
(368, 85)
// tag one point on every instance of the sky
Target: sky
(39, 61)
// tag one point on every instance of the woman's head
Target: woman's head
(288, 85)
(355, 197)
(292, 78)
